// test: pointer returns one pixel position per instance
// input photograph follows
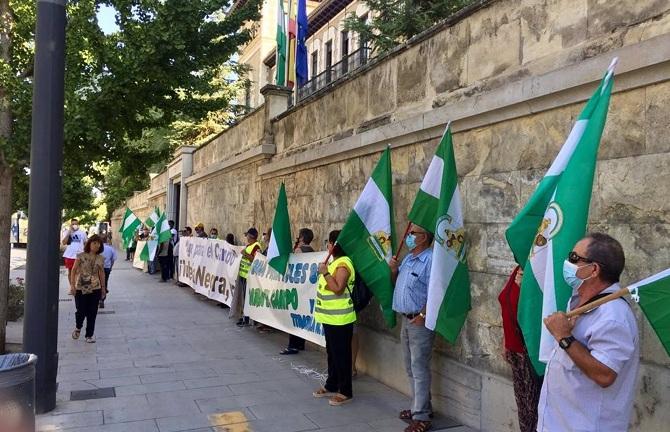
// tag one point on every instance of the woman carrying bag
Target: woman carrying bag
(87, 285)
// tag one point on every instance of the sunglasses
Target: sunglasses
(574, 258)
(417, 232)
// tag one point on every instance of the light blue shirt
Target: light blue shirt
(411, 287)
(572, 402)
(109, 253)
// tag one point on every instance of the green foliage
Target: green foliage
(128, 95)
(394, 21)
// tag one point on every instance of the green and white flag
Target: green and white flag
(439, 202)
(148, 252)
(129, 225)
(542, 235)
(282, 45)
(153, 218)
(368, 236)
(280, 240)
(162, 229)
(653, 295)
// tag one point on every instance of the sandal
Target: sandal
(419, 426)
(405, 415)
(339, 399)
(322, 392)
(76, 333)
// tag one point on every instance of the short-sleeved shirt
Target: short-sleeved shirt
(77, 241)
(571, 401)
(109, 254)
(411, 287)
(89, 267)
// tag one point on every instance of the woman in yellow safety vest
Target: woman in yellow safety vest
(334, 309)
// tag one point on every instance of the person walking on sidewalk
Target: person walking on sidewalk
(409, 299)
(87, 285)
(248, 254)
(335, 311)
(302, 245)
(74, 239)
(109, 255)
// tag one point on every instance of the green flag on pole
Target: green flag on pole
(163, 231)
(129, 226)
(438, 202)
(153, 218)
(282, 45)
(368, 236)
(148, 252)
(280, 240)
(553, 220)
(653, 295)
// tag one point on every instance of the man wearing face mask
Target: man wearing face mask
(590, 378)
(409, 300)
(74, 238)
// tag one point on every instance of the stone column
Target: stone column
(276, 103)
(186, 171)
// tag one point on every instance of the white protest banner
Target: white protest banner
(137, 261)
(209, 267)
(286, 303)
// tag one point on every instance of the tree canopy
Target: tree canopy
(393, 22)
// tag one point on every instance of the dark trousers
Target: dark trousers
(107, 272)
(296, 342)
(164, 262)
(87, 307)
(171, 266)
(338, 347)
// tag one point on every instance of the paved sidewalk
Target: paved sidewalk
(177, 363)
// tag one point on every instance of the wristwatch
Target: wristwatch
(422, 315)
(566, 342)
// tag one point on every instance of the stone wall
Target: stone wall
(513, 77)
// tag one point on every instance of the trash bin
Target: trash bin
(17, 392)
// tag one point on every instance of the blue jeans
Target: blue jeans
(417, 345)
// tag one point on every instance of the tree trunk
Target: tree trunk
(5, 222)
(6, 172)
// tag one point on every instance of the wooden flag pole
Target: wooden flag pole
(402, 240)
(590, 306)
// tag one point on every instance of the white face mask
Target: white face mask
(75, 227)
(570, 276)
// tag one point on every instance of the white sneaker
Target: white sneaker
(90, 339)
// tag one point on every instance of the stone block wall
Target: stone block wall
(513, 77)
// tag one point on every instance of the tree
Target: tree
(151, 72)
(395, 21)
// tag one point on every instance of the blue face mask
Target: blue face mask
(570, 276)
(410, 241)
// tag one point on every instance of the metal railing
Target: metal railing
(348, 64)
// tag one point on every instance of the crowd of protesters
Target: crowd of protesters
(589, 381)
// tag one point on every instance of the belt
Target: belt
(411, 316)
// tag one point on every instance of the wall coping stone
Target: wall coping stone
(640, 64)
(263, 151)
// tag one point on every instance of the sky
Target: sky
(106, 19)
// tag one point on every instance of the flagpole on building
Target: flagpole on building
(288, 41)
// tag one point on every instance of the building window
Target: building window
(329, 59)
(345, 51)
(315, 63)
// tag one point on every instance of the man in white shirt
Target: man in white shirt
(74, 239)
(589, 383)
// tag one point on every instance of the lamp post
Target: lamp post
(40, 329)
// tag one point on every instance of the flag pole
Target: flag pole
(590, 306)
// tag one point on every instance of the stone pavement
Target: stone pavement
(177, 363)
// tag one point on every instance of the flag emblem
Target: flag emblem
(549, 227)
(380, 243)
(451, 237)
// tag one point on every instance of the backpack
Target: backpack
(360, 295)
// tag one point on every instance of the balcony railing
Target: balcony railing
(348, 64)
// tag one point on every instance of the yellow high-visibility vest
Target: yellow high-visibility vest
(331, 308)
(245, 264)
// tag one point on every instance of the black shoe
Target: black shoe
(289, 351)
(240, 323)
(101, 304)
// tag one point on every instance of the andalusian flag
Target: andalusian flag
(438, 202)
(553, 220)
(163, 231)
(282, 46)
(368, 236)
(129, 225)
(148, 252)
(153, 218)
(653, 295)
(280, 241)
